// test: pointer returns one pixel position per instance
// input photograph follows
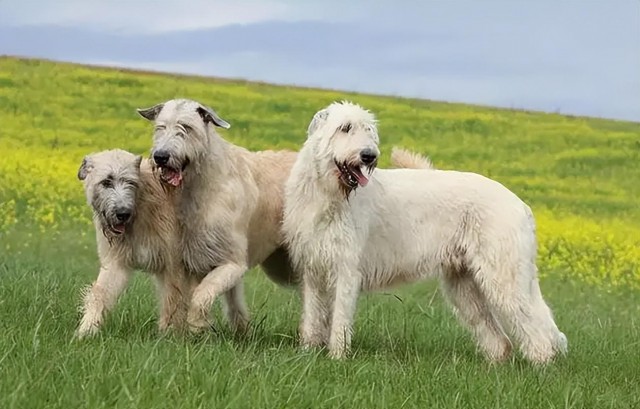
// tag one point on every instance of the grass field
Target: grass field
(579, 175)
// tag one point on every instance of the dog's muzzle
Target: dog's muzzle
(352, 175)
(169, 173)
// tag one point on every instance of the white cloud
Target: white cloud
(140, 16)
(158, 16)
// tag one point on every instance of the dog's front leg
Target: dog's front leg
(316, 311)
(102, 297)
(220, 280)
(174, 301)
(235, 308)
(347, 288)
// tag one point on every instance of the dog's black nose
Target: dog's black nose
(368, 156)
(123, 215)
(161, 157)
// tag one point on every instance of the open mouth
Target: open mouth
(352, 175)
(172, 176)
(113, 230)
(118, 229)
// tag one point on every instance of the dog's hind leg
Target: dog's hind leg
(102, 297)
(235, 308)
(544, 314)
(517, 300)
(472, 310)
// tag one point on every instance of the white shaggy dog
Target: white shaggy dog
(404, 225)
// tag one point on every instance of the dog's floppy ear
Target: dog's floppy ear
(85, 168)
(150, 113)
(318, 120)
(209, 115)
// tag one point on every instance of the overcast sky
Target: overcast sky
(574, 56)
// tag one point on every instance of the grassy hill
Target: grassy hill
(580, 176)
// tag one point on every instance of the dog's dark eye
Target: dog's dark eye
(159, 128)
(186, 127)
(107, 183)
(346, 128)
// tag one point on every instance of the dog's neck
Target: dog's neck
(152, 194)
(204, 175)
(315, 183)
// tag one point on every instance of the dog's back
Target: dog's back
(270, 170)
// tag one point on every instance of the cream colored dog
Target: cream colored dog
(229, 205)
(350, 226)
(136, 228)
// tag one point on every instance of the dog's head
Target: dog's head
(181, 135)
(344, 140)
(111, 180)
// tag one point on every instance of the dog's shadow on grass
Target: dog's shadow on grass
(257, 336)
(433, 352)
(457, 350)
(262, 335)
(412, 350)
(454, 348)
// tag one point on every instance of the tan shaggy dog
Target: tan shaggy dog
(229, 205)
(136, 228)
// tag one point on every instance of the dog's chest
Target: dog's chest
(205, 249)
(147, 254)
(325, 245)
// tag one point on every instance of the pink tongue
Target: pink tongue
(362, 179)
(119, 228)
(174, 178)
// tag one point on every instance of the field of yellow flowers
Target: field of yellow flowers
(579, 175)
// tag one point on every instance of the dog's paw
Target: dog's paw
(240, 325)
(197, 323)
(499, 351)
(196, 329)
(562, 345)
(309, 346)
(86, 331)
(338, 353)
(312, 342)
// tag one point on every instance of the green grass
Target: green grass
(578, 174)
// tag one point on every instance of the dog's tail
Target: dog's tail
(402, 158)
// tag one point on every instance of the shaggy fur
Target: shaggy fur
(230, 204)
(402, 225)
(135, 229)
